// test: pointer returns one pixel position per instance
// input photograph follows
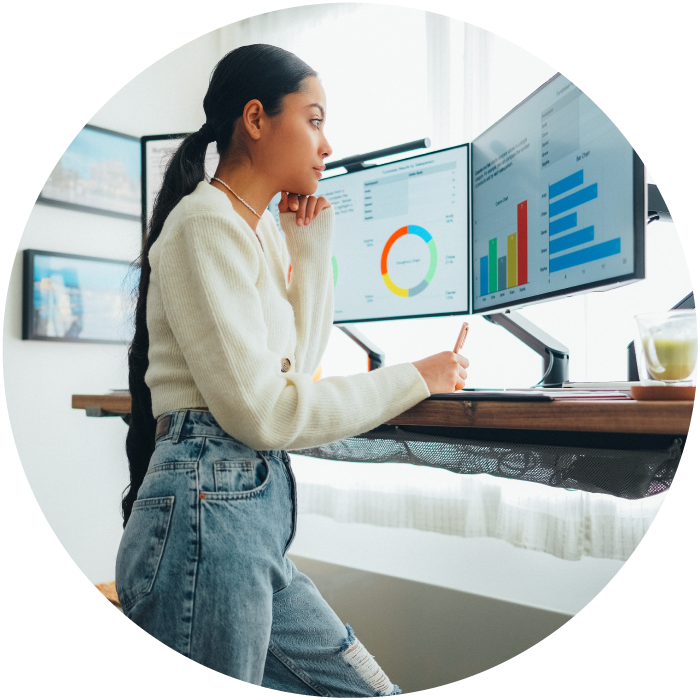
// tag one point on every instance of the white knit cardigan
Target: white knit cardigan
(222, 322)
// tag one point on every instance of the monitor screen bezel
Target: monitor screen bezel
(369, 168)
(639, 211)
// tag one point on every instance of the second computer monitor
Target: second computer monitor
(400, 247)
(558, 202)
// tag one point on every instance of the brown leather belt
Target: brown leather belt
(163, 424)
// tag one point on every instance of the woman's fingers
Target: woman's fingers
(310, 212)
(444, 372)
(321, 204)
(306, 207)
(301, 211)
(288, 202)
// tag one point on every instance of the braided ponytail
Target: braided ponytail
(258, 71)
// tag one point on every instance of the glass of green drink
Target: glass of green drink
(667, 346)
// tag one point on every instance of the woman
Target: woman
(223, 354)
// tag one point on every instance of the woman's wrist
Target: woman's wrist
(309, 240)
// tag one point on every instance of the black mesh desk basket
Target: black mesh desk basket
(622, 465)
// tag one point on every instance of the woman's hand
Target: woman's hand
(307, 208)
(444, 372)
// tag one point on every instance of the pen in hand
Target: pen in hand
(441, 370)
(460, 342)
(462, 337)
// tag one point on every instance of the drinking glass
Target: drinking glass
(667, 346)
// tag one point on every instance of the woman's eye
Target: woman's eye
(318, 122)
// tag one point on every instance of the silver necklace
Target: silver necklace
(241, 200)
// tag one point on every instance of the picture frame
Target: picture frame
(156, 151)
(77, 298)
(99, 173)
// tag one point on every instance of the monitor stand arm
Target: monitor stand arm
(375, 356)
(555, 356)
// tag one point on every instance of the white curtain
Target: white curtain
(567, 524)
(393, 75)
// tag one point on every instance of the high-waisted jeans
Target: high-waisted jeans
(202, 567)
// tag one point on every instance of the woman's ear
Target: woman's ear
(252, 114)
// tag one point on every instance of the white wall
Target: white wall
(166, 98)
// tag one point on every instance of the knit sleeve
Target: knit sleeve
(207, 273)
(311, 287)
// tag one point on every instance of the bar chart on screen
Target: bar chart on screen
(500, 272)
(552, 204)
(568, 239)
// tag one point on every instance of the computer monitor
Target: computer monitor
(400, 247)
(558, 202)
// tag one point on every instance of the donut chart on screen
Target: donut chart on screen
(419, 231)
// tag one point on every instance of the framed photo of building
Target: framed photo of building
(78, 299)
(100, 173)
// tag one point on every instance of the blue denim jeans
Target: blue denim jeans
(202, 567)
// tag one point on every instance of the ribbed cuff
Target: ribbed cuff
(311, 241)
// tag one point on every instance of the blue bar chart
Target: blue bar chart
(562, 199)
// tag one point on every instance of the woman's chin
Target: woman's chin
(305, 189)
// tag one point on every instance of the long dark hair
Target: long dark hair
(259, 71)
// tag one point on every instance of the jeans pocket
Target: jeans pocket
(241, 477)
(141, 548)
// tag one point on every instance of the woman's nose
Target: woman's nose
(327, 150)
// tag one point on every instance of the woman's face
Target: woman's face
(296, 145)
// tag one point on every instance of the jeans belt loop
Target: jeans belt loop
(178, 418)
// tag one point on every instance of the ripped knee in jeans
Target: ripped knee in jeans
(355, 654)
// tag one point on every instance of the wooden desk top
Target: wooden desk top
(650, 417)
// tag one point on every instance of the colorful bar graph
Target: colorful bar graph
(586, 255)
(497, 274)
(484, 275)
(585, 235)
(563, 224)
(522, 242)
(493, 266)
(573, 200)
(513, 260)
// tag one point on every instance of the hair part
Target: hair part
(255, 72)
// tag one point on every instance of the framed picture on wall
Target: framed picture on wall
(156, 151)
(100, 173)
(77, 299)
